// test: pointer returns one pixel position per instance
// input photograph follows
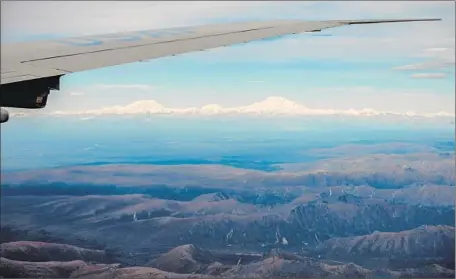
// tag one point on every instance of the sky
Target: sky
(333, 84)
(402, 68)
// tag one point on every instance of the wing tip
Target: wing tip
(390, 20)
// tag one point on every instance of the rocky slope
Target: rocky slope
(189, 261)
(44, 252)
(51, 269)
(184, 259)
(414, 247)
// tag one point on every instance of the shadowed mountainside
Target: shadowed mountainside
(412, 248)
(53, 269)
(140, 225)
(45, 252)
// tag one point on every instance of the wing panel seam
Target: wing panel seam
(140, 45)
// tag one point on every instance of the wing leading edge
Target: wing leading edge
(31, 60)
(29, 70)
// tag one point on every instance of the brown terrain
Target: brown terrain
(331, 236)
(189, 261)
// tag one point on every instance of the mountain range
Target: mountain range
(273, 105)
(377, 216)
(189, 261)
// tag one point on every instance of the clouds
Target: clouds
(429, 75)
(271, 106)
(95, 17)
(421, 66)
(76, 93)
(435, 59)
(123, 87)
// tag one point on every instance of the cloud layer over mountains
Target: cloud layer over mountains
(270, 106)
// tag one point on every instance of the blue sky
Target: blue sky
(353, 67)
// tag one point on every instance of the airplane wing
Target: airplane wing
(30, 70)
